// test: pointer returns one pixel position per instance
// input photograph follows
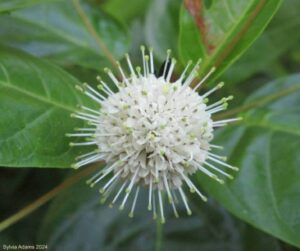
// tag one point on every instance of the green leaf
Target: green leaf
(161, 30)
(221, 33)
(81, 223)
(10, 5)
(121, 10)
(275, 42)
(57, 32)
(36, 99)
(18, 189)
(265, 192)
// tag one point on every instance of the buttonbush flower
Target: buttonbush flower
(152, 132)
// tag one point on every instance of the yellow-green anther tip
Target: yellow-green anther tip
(199, 61)
(74, 166)
(221, 84)
(221, 181)
(79, 88)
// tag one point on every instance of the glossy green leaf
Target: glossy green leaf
(266, 190)
(267, 50)
(55, 30)
(10, 5)
(36, 99)
(81, 223)
(122, 11)
(161, 30)
(221, 32)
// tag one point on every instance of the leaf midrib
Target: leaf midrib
(218, 52)
(28, 125)
(270, 126)
(39, 98)
(239, 23)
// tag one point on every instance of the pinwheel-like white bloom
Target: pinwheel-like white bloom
(151, 132)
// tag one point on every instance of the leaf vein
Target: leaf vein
(40, 98)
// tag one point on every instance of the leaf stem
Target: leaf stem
(159, 233)
(258, 102)
(94, 33)
(45, 198)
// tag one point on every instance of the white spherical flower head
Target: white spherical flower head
(152, 133)
(162, 125)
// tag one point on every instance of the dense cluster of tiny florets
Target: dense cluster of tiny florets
(152, 132)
